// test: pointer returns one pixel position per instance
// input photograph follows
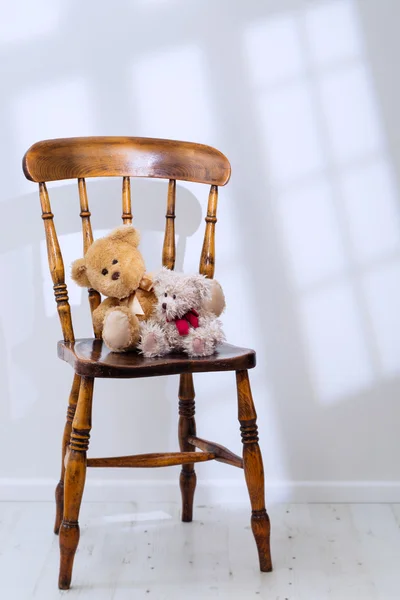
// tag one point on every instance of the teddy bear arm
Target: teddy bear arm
(100, 312)
(147, 301)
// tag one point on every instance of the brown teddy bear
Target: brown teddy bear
(114, 266)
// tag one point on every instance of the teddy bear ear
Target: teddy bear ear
(216, 302)
(78, 272)
(203, 286)
(161, 276)
(125, 233)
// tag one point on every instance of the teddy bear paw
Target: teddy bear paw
(197, 346)
(149, 344)
(117, 333)
(153, 342)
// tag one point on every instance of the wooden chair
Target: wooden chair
(79, 158)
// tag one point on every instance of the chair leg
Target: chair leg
(187, 426)
(253, 470)
(75, 474)
(59, 493)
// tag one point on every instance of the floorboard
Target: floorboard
(320, 552)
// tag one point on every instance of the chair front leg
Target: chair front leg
(59, 493)
(253, 470)
(75, 475)
(187, 426)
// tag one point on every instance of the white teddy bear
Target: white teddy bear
(185, 316)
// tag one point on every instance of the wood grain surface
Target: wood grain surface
(91, 357)
(73, 158)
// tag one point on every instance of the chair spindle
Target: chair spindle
(207, 260)
(56, 266)
(168, 254)
(87, 233)
(126, 201)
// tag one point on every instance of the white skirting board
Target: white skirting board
(209, 491)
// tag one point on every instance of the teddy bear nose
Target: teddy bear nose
(164, 305)
(115, 275)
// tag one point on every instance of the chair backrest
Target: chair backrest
(79, 158)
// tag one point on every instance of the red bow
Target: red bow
(182, 324)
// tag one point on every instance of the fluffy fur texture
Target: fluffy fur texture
(177, 295)
(114, 266)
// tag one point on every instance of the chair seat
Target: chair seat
(90, 357)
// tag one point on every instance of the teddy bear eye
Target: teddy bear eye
(104, 272)
(174, 296)
(165, 294)
(114, 262)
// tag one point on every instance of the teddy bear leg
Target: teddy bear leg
(198, 346)
(199, 343)
(203, 340)
(153, 342)
(121, 329)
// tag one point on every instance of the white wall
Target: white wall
(303, 98)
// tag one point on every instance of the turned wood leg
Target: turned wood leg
(187, 426)
(73, 399)
(253, 470)
(74, 481)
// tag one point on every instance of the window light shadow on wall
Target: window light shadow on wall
(18, 329)
(40, 18)
(59, 109)
(178, 77)
(337, 202)
(62, 108)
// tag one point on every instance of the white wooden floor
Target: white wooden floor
(340, 552)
